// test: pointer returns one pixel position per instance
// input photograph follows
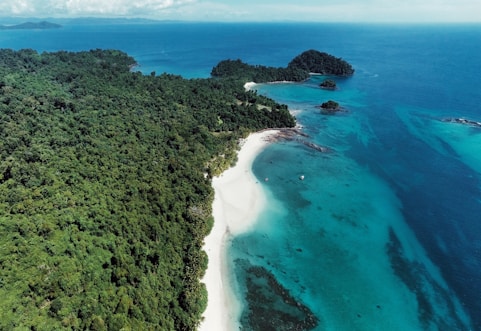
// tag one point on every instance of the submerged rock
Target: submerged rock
(294, 134)
(462, 121)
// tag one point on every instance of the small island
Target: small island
(44, 25)
(328, 84)
(330, 107)
(321, 63)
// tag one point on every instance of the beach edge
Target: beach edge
(239, 198)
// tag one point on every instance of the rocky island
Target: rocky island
(329, 107)
(328, 84)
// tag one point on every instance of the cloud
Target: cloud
(253, 10)
(390, 11)
(67, 8)
(16, 7)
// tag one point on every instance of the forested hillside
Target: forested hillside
(297, 70)
(105, 194)
(257, 73)
(321, 63)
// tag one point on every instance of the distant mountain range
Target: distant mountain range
(55, 22)
(31, 25)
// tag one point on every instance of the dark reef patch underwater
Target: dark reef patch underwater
(269, 304)
(418, 280)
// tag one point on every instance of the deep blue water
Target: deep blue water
(384, 233)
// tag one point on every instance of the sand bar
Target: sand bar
(239, 198)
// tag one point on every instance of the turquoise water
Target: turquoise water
(332, 246)
(384, 232)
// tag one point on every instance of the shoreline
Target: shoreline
(249, 86)
(239, 198)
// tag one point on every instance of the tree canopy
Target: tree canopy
(105, 191)
(328, 84)
(330, 107)
(321, 63)
(299, 68)
(257, 73)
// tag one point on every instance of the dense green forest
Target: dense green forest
(105, 188)
(298, 69)
(321, 63)
(257, 73)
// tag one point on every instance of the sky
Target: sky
(253, 10)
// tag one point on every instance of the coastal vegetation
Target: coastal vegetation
(257, 73)
(321, 63)
(298, 69)
(105, 191)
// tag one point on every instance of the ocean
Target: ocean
(384, 231)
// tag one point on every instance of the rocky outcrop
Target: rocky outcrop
(462, 121)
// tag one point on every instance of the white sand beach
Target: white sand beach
(238, 200)
(249, 85)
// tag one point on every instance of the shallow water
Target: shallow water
(331, 244)
(382, 232)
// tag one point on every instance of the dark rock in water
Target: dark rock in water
(289, 134)
(328, 84)
(294, 134)
(462, 121)
(316, 147)
(330, 107)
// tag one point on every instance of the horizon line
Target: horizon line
(285, 21)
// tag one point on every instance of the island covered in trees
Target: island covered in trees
(330, 107)
(105, 187)
(328, 84)
(299, 69)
